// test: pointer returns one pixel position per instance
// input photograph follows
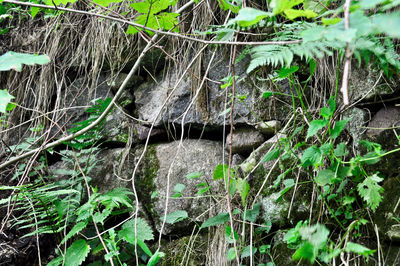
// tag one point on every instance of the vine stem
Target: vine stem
(168, 33)
(230, 151)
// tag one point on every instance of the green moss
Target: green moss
(146, 185)
(123, 137)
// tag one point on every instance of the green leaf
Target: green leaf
(315, 126)
(370, 191)
(220, 218)
(178, 189)
(359, 249)
(76, 229)
(330, 21)
(155, 258)
(248, 17)
(341, 150)
(143, 230)
(243, 187)
(295, 13)
(194, 175)
(248, 251)
(251, 215)
(388, 24)
(231, 254)
(327, 112)
(5, 99)
(268, 94)
(311, 156)
(59, 2)
(77, 252)
(106, 2)
(228, 234)
(227, 5)
(220, 171)
(368, 4)
(339, 126)
(324, 177)
(286, 72)
(272, 155)
(176, 216)
(12, 60)
(280, 6)
(306, 251)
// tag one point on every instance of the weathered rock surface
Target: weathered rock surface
(269, 128)
(244, 140)
(368, 84)
(212, 100)
(166, 165)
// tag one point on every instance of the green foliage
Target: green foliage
(370, 191)
(14, 61)
(154, 16)
(176, 216)
(77, 253)
(5, 99)
(220, 218)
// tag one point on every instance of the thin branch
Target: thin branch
(168, 33)
(347, 62)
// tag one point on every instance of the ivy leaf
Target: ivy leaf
(220, 218)
(370, 191)
(5, 98)
(359, 249)
(176, 216)
(12, 60)
(77, 252)
(315, 126)
(248, 17)
(311, 156)
(339, 126)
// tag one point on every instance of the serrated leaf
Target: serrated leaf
(243, 187)
(220, 171)
(77, 253)
(272, 155)
(311, 156)
(324, 177)
(143, 230)
(315, 126)
(231, 255)
(370, 191)
(76, 229)
(339, 126)
(341, 150)
(194, 175)
(220, 218)
(359, 249)
(176, 216)
(248, 251)
(5, 99)
(251, 215)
